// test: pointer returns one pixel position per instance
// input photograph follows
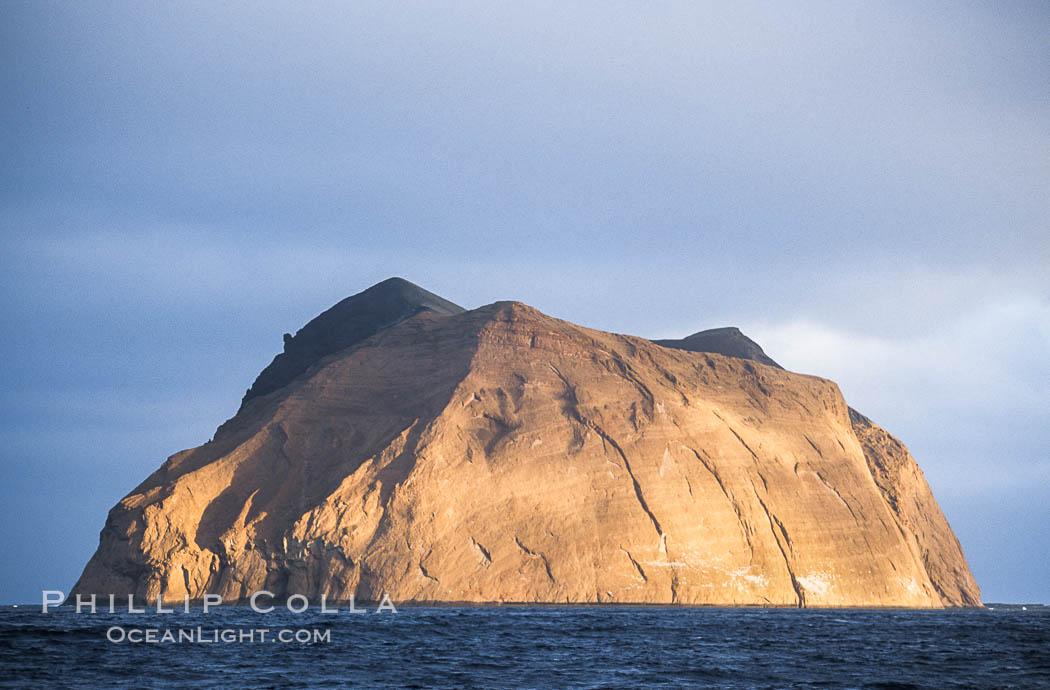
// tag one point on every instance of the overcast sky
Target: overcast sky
(861, 187)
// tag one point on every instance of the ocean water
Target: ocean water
(533, 647)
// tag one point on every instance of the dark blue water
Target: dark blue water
(571, 647)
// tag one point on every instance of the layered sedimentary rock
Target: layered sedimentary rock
(501, 455)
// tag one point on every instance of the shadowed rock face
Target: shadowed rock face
(503, 455)
(727, 341)
(347, 323)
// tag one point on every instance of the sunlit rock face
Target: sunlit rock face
(501, 455)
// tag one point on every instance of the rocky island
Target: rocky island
(403, 445)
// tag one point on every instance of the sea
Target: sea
(527, 647)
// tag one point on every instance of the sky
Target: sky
(861, 187)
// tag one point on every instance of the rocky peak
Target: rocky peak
(349, 322)
(728, 341)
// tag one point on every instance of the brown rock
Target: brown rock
(504, 455)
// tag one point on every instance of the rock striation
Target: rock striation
(412, 448)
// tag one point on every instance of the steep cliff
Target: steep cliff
(503, 455)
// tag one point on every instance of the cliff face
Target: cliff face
(503, 455)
